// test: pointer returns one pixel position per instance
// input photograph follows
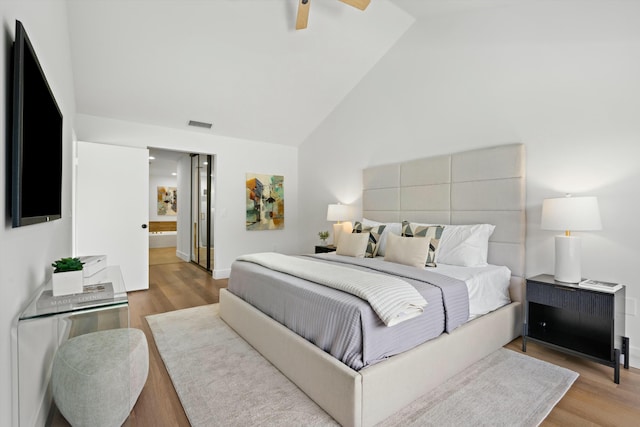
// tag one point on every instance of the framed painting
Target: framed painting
(265, 202)
(167, 200)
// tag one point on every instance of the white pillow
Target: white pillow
(411, 251)
(465, 245)
(391, 228)
(353, 244)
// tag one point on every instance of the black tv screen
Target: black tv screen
(36, 187)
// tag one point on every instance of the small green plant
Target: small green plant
(67, 264)
(324, 235)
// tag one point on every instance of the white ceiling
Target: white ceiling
(239, 64)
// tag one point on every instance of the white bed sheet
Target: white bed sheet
(488, 286)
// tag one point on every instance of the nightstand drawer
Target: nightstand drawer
(554, 296)
(582, 300)
(597, 304)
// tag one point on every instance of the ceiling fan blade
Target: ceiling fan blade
(303, 14)
(360, 4)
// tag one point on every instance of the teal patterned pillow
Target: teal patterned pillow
(374, 237)
(433, 232)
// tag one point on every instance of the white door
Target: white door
(112, 208)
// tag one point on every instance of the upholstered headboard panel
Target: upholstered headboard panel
(472, 187)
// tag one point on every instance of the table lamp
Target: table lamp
(339, 213)
(569, 214)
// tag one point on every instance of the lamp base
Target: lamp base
(339, 228)
(568, 262)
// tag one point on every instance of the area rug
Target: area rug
(222, 381)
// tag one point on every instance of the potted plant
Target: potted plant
(324, 235)
(67, 276)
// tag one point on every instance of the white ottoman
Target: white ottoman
(98, 377)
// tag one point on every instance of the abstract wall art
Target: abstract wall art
(167, 200)
(265, 201)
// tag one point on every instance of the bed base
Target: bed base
(368, 396)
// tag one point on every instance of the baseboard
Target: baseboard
(222, 273)
(183, 256)
(634, 360)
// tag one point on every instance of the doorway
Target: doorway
(169, 206)
(202, 210)
(182, 206)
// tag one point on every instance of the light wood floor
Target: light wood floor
(168, 256)
(594, 399)
(171, 287)
(163, 256)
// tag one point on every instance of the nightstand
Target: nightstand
(576, 320)
(320, 249)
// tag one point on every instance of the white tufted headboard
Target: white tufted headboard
(478, 186)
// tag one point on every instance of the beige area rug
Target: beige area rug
(222, 381)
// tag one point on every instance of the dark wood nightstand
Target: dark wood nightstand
(576, 320)
(320, 249)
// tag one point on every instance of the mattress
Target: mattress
(344, 325)
(488, 286)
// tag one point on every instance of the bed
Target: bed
(483, 186)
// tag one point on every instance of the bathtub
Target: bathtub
(163, 239)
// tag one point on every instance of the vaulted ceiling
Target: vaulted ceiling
(239, 64)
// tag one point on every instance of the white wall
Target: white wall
(156, 181)
(561, 77)
(27, 252)
(234, 158)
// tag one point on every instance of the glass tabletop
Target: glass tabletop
(102, 289)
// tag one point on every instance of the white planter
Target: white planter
(66, 283)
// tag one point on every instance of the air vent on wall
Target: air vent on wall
(200, 124)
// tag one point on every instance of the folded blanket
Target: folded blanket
(394, 300)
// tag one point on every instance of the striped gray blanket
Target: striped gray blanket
(393, 299)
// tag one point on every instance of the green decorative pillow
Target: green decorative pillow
(433, 232)
(374, 237)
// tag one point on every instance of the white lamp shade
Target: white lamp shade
(571, 214)
(338, 212)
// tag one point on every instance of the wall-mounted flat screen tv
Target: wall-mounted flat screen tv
(36, 147)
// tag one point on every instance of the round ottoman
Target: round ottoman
(97, 377)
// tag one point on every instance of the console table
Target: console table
(40, 331)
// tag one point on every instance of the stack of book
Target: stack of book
(600, 286)
(90, 294)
